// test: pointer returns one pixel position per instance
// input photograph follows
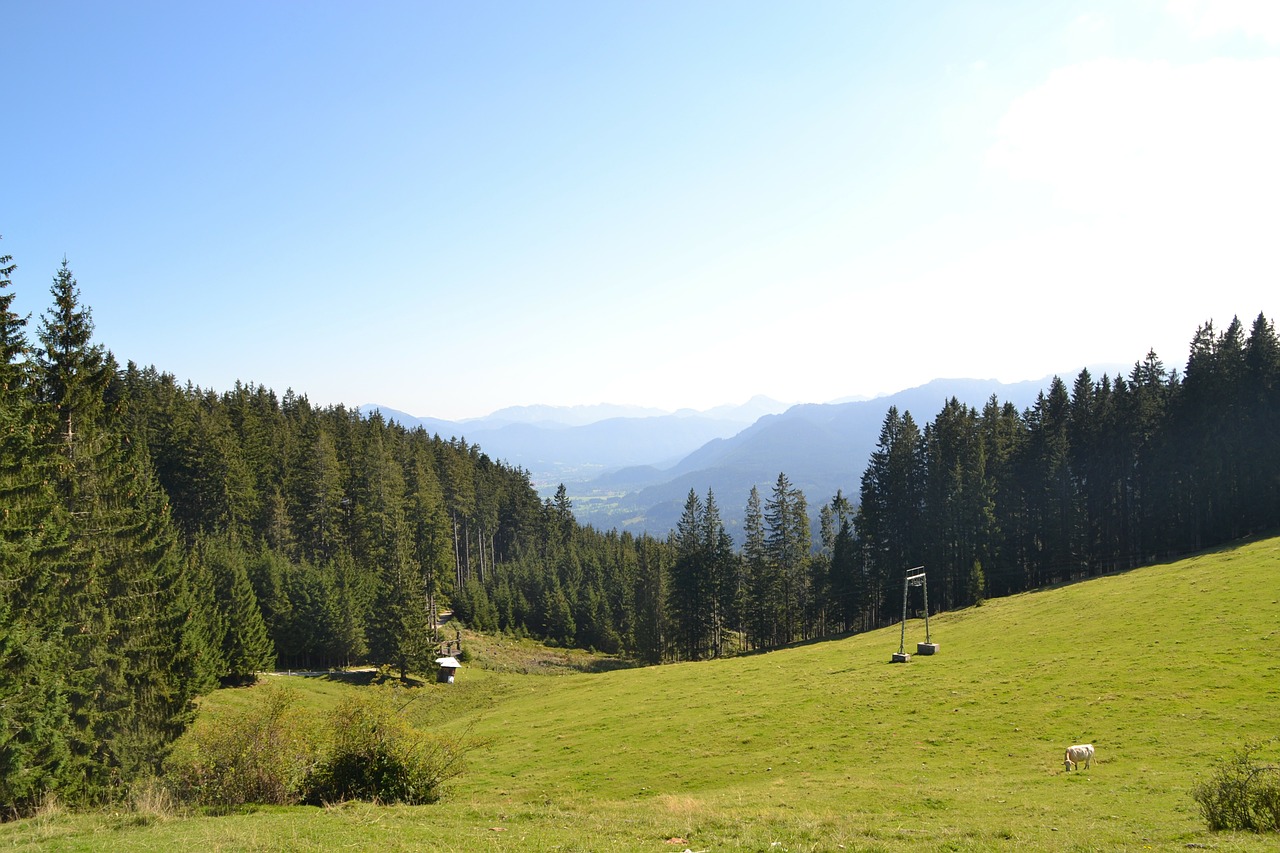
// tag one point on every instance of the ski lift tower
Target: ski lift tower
(915, 577)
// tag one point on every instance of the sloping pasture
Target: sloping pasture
(829, 746)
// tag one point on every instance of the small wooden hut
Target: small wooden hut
(448, 668)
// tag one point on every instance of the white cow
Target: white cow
(1076, 754)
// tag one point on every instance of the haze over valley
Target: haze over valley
(631, 468)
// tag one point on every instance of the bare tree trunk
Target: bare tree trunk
(457, 556)
(466, 545)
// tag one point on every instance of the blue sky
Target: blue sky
(448, 208)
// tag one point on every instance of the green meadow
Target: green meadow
(825, 746)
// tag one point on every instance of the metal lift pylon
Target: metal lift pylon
(915, 577)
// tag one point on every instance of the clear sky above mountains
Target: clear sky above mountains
(448, 208)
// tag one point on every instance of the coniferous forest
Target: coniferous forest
(159, 540)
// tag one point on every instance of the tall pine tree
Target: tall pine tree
(120, 605)
(35, 722)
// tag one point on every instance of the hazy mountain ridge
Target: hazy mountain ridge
(635, 472)
(566, 416)
(821, 447)
(546, 441)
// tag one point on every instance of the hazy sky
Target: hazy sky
(448, 208)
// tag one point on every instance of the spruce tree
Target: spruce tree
(650, 600)
(206, 626)
(891, 509)
(431, 551)
(384, 545)
(763, 584)
(559, 624)
(35, 723)
(316, 498)
(787, 546)
(823, 612)
(310, 633)
(1002, 434)
(689, 590)
(268, 569)
(119, 603)
(723, 574)
(348, 607)
(1049, 493)
(1261, 410)
(245, 643)
(848, 591)
(149, 618)
(957, 501)
(71, 376)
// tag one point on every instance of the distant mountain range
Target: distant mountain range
(631, 468)
(576, 444)
(821, 448)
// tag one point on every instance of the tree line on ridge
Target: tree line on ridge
(158, 540)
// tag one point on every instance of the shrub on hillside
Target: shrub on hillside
(379, 756)
(1243, 793)
(262, 753)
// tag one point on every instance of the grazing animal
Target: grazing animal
(1076, 754)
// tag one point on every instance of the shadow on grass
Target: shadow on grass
(1135, 563)
(356, 677)
(798, 644)
(606, 665)
(557, 664)
(367, 677)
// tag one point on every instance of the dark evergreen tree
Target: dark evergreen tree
(384, 545)
(348, 597)
(1260, 411)
(268, 572)
(1084, 425)
(458, 479)
(429, 531)
(724, 574)
(618, 586)
(844, 590)
(764, 586)
(788, 543)
(1151, 452)
(558, 619)
(689, 588)
(310, 633)
(247, 648)
(848, 581)
(35, 723)
(890, 515)
(206, 626)
(316, 498)
(120, 598)
(650, 597)
(1003, 434)
(1050, 496)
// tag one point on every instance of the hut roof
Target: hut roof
(450, 662)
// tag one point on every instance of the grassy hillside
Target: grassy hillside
(828, 746)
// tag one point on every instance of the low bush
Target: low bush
(271, 753)
(1242, 794)
(263, 753)
(379, 756)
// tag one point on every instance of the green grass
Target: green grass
(828, 746)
